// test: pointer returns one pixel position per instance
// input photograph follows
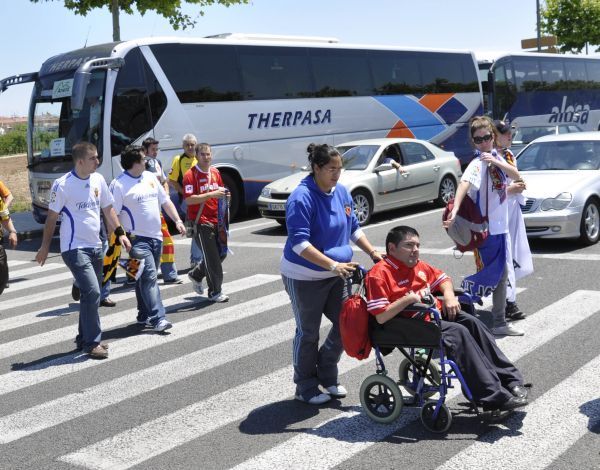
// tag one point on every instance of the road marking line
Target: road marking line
(552, 424)
(47, 313)
(36, 283)
(13, 275)
(348, 434)
(349, 437)
(66, 333)
(16, 262)
(75, 362)
(74, 405)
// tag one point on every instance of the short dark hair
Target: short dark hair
(397, 234)
(82, 149)
(320, 155)
(130, 155)
(148, 142)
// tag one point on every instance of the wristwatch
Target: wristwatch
(333, 266)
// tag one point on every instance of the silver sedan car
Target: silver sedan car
(427, 173)
(562, 174)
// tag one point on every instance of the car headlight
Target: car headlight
(266, 192)
(557, 203)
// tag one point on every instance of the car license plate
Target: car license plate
(276, 206)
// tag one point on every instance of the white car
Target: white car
(562, 174)
(428, 173)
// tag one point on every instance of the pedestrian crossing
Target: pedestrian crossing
(220, 363)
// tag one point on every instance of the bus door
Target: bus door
(138, 102)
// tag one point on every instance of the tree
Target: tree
(169, 9)
(576, 23)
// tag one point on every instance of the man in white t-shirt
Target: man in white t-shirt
(78, 197)
(138, 197)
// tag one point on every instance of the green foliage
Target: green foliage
(574, 22)
(14, 141)
(169, 9)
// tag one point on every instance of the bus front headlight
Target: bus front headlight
(557, 203)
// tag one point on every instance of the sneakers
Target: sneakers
(507, 330)
(75, 293)
(145, 323)
(162, 325)
(173, 281)
(218, 297)
(337, 391)
(513, 312)
(317, 399)
(196, 284)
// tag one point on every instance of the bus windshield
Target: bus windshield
(56, 127)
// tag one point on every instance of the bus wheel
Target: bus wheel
(234, 190)
(363, 208)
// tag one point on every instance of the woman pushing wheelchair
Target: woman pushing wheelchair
(402, 279)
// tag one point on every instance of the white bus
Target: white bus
(258, 101)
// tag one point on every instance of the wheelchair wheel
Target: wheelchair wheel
(441, 423)
(381, 399)
(409, 377)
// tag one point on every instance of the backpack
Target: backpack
(470, 228)
(354, 325)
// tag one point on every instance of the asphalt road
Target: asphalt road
(216, 392)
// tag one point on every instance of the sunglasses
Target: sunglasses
(480, 140)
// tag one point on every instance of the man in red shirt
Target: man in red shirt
(402, 279)
(202, 189)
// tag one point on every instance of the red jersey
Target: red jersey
(390, 280)
(196, 181)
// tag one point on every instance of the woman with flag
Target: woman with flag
(485, 180)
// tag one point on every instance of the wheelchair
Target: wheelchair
(420, 376)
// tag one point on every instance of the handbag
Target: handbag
(470, 228)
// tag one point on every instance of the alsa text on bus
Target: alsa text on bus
(288, 118)
(572, 113)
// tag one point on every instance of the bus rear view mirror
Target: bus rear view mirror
(83, 75)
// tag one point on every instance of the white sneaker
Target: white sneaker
(316, 400)
(507, 330)
(337, 391)
(163, 325)
(220, 297)
(198, 289)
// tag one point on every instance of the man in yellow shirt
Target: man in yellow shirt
(181, 164)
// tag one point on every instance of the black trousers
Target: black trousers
(485, 368)
(211, 266)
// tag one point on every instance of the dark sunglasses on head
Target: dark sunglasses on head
(485, 138)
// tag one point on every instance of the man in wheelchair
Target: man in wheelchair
(402, 279)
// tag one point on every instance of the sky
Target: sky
(33, 32)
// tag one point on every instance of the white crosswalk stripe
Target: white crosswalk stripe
(62, 391)
(200, 418)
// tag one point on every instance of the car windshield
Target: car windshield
(359, 157)
(567, 155)
(56, 127)
(524, 135)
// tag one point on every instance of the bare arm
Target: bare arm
(171, 211)
(461, 192)
(12, 233)
(176, 186)
(364, 244)
(49, 227)
(196, 199)
(112, 222)
(8, 200)
(506, 167)
(451, 305)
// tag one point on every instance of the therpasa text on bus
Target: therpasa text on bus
(258, 101)
(543, 89)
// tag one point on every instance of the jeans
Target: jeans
(147, 293)
(169, 271)
(86, 266)
(104, 288)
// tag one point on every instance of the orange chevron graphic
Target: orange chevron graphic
(435, 101)
(400, 130)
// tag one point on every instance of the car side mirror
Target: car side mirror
(383, 167)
